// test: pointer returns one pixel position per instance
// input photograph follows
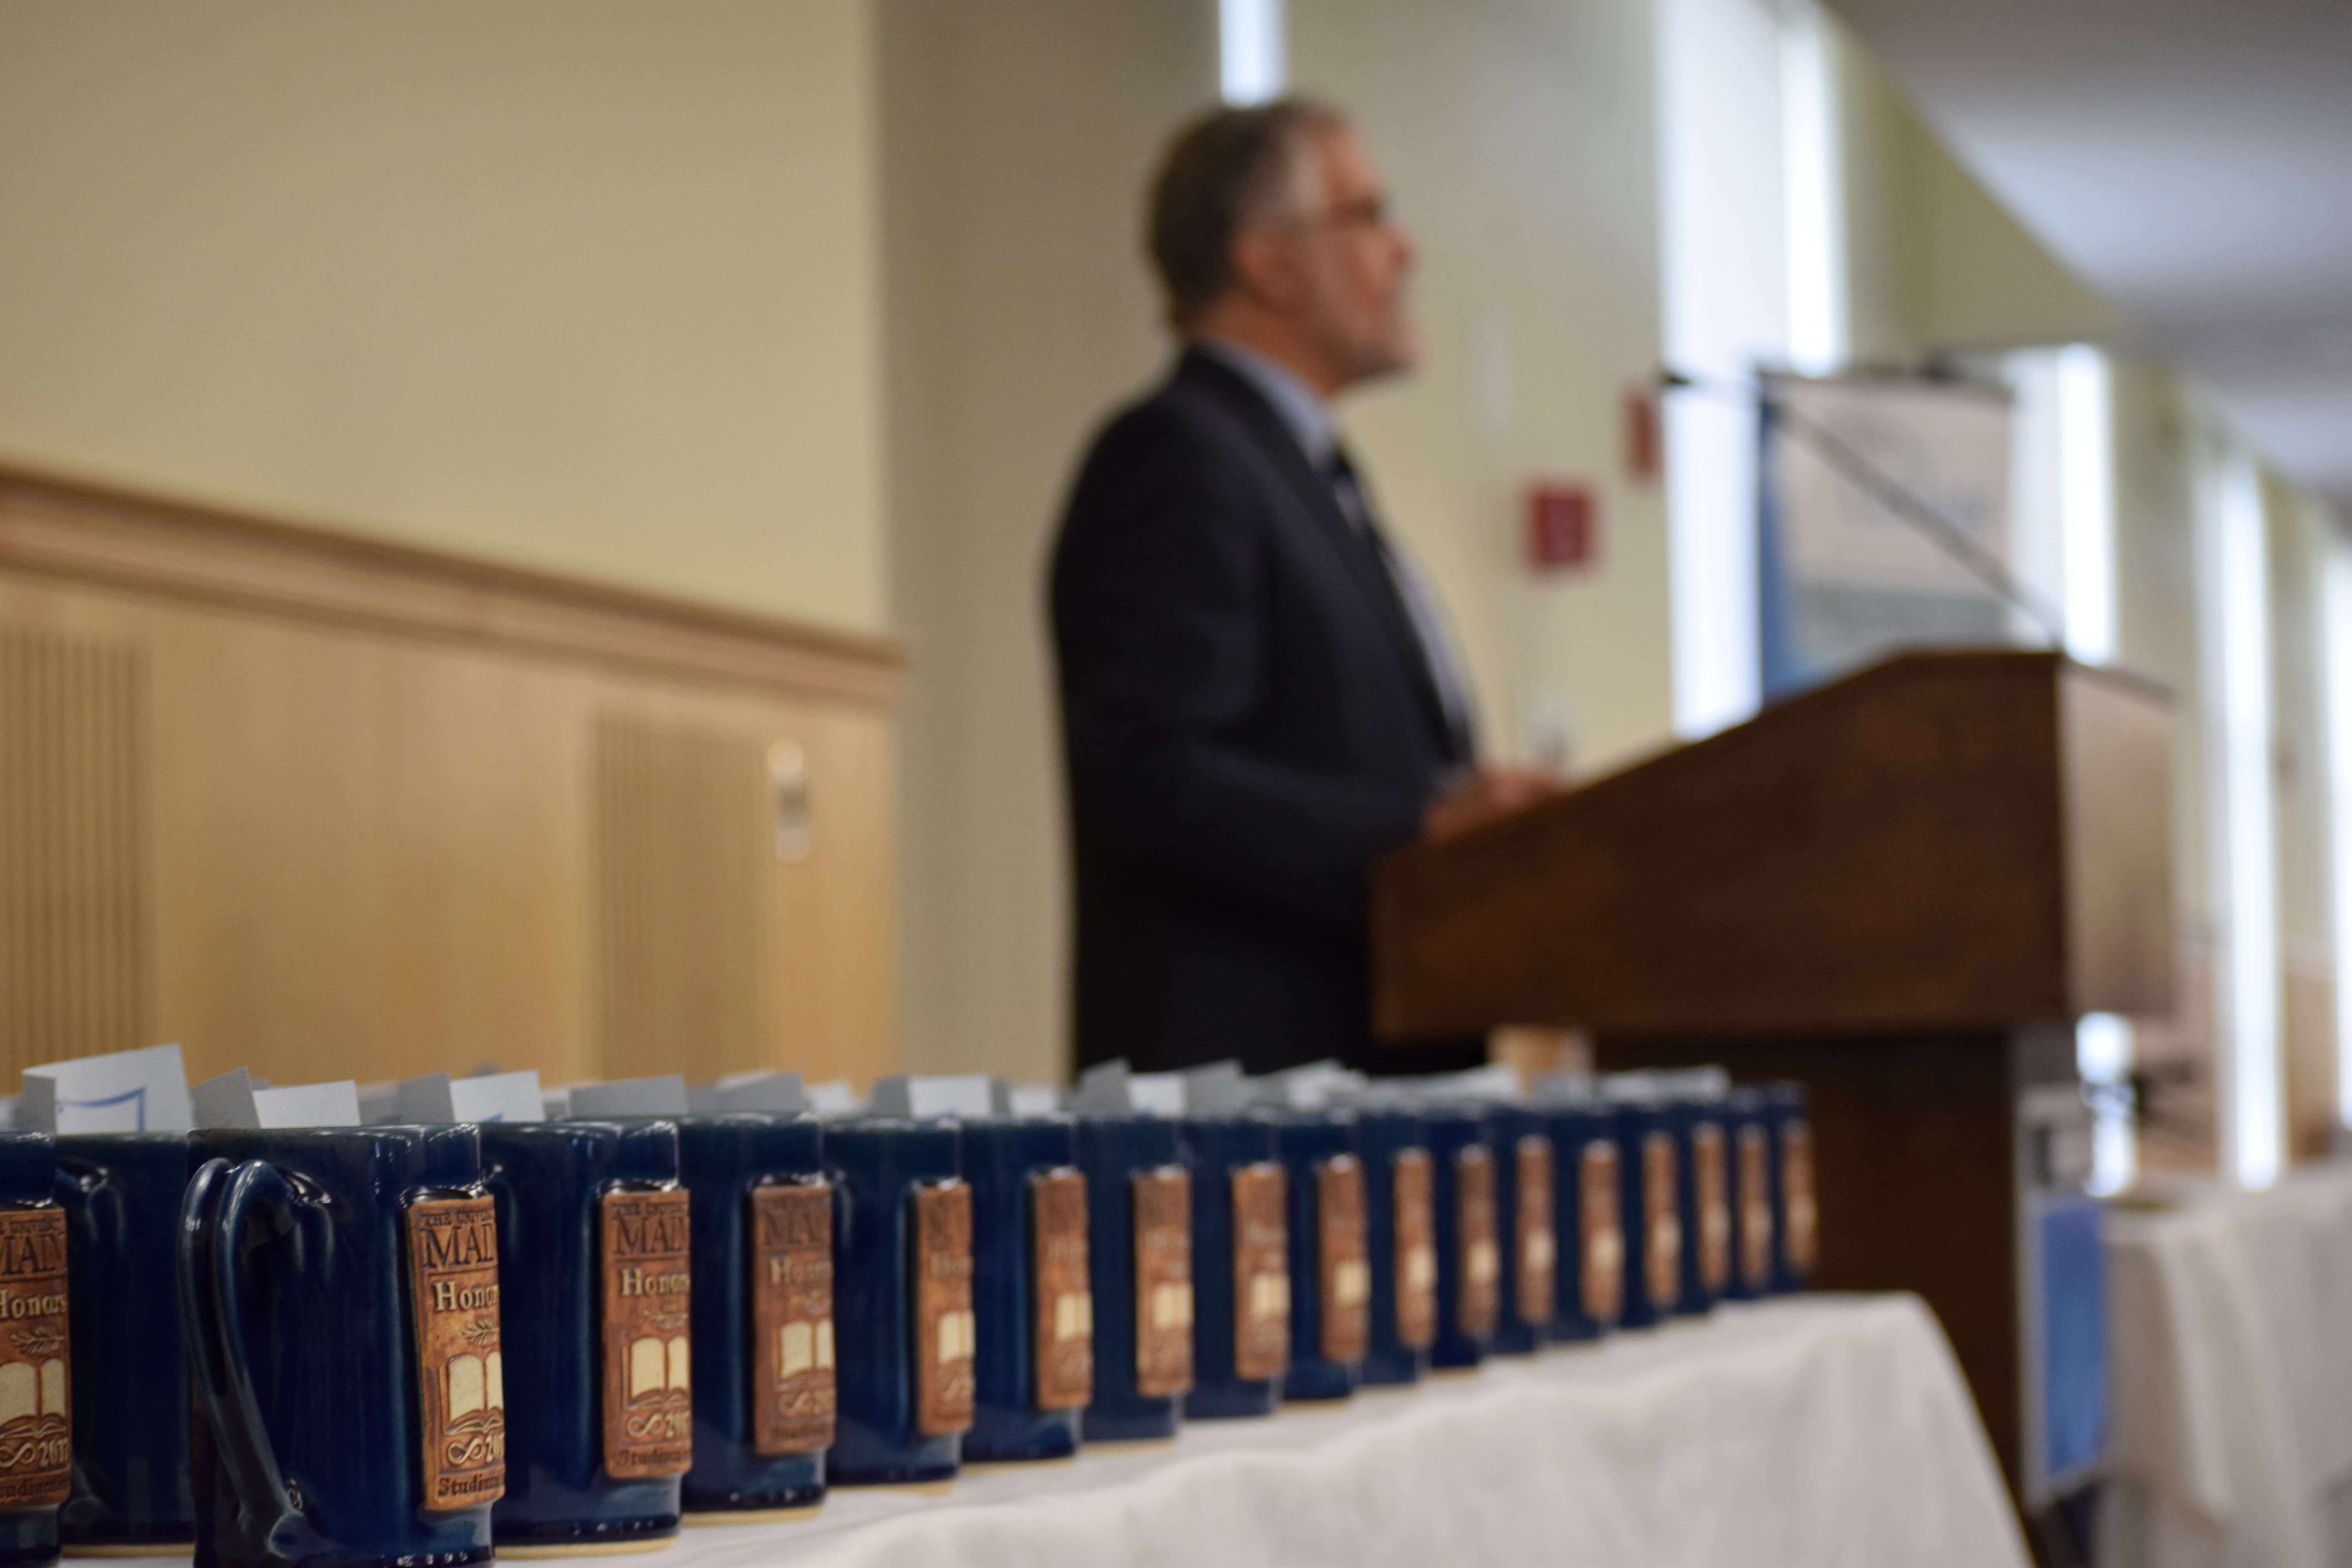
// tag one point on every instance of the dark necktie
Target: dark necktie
(1420, 606)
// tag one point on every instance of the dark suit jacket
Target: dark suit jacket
(1248, 724)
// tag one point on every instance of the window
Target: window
(1253, 66)
(2234, 582)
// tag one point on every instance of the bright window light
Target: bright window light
(2236, 557)
(1724, 308)
(1816, 195)
(2082, 456)
(2335, 635)
(2103, 1055)
(1252, 63)
(2037, 500)
(2086, 503)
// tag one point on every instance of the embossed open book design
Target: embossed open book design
(658, 1366)
(476, 1382)
(957, 1338)
(27, 1391)
(1074, 1316)
(1171, 1306)
(802, 1347)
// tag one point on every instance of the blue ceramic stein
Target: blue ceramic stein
(1795, 1200)
(1589, 1283)
(1139, 1253)
(1032, 1295)
(1649, 1209)
(120, 1192)
(1330, 1272)
(1241, 1266)
(902, 1301)
(595, 1240)
(339, 1288)
(1528, 1244)
(1747, 1132)
(1400, 1243)
(763, 1359)
(1702, 1187)
(37, 1393)
(1469, 1258)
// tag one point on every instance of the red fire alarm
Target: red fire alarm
(1563, 528)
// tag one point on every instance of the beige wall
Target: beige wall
(2156, 586)
(1934, 261)
(1018, 135)
(2156, 440)
(1984, 280)
(1520, 144)
(586, 285)
(2299, 543)
(2298, 546)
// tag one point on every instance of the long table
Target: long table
(1812, 1432)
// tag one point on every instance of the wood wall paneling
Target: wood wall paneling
(683, 917)
(71, 529)
(367, 844)
(74, 973)
(818, 992)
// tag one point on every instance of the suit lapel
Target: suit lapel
(1357, 556)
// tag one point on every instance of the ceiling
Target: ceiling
(2190, 159)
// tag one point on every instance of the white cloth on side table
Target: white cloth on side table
(1807, 1433)
(2230, 1339)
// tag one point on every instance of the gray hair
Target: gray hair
(1227, 170)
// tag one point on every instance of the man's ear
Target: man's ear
(1265, 269)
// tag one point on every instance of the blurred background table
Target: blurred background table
(2232, 1338)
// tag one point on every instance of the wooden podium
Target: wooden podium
(1898, 890)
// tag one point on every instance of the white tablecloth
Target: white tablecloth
(1797, 1433)
(1823, 1432)
(2230, 1320)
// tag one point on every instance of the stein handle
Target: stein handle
(211, 1216)
(91, 1201)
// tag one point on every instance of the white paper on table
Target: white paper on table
(493, 1097)
(1313, 1086)
(1496, 1081)
(334, 1104)
(1160, 1093)
(663, 1096)
(1567, 1089)
(1103, 1089)
(128, 1091)
(778, 1093)
(1032, 1100)
(1217, 1090)
(961, 1094)
(768, 1092)
(1008, 1099)
(832, 1098)
(232, 1100)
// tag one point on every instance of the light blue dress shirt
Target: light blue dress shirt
(1309, 420)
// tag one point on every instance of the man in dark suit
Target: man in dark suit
(1258, 697)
